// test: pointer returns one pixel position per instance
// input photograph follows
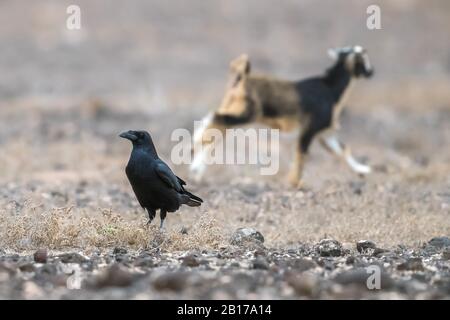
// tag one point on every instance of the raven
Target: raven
(154, 184)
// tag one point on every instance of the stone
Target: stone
(171, 281)
(190, 261)
(260, 263)
(412, 264)
(360, 276)
(379, 252)
(114, 276)
(365, 245)
(27, 267)
(244, 235)
(329, 248)
(31, 290)
(47, 269)
(303, 284)
(144, 260)
(40, 256)
(119, 250)
(72, 257)
(446, 254)
(439, 242)
(350, 260)
(298, 264)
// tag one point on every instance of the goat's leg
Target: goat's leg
(296, 172)
(295, 176)
(205, 143)
(332, 144)
(202, 137)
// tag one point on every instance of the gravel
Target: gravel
(318, 271)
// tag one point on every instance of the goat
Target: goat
(312, 105)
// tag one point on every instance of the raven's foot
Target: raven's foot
(162, 215)
(151, 216)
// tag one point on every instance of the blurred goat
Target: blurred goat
(312, 105)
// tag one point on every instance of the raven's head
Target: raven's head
(138, 138)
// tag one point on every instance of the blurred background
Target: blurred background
(177, 53)
(160, 65)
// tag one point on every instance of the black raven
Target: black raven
(155, 185)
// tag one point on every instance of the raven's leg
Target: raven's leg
(151, 215)
(162, 215)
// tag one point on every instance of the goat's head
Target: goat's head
(355, 59)
(237, 97)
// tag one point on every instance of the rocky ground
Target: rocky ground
(245, 269)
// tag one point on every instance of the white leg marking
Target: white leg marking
(198, 166)
(333, 143)
(357, 166)
(198, 134)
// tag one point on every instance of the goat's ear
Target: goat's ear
(333, 54)
(240, 65)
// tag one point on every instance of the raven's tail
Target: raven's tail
(192, 200)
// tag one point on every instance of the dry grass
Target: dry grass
(283, 218)
(68, 228)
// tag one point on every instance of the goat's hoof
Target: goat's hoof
(364, 170)
(300, 186)
(297, 184)
(294, 180)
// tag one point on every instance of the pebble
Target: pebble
(243, 235)
(363, 246)
(40, 256)
(329, 248)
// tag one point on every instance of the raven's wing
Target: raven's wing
(168, 176)
(181, 181)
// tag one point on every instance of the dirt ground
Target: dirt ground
(66, 95)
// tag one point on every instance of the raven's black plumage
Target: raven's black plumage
(155, 185)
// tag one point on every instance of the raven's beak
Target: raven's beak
(129, 135)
